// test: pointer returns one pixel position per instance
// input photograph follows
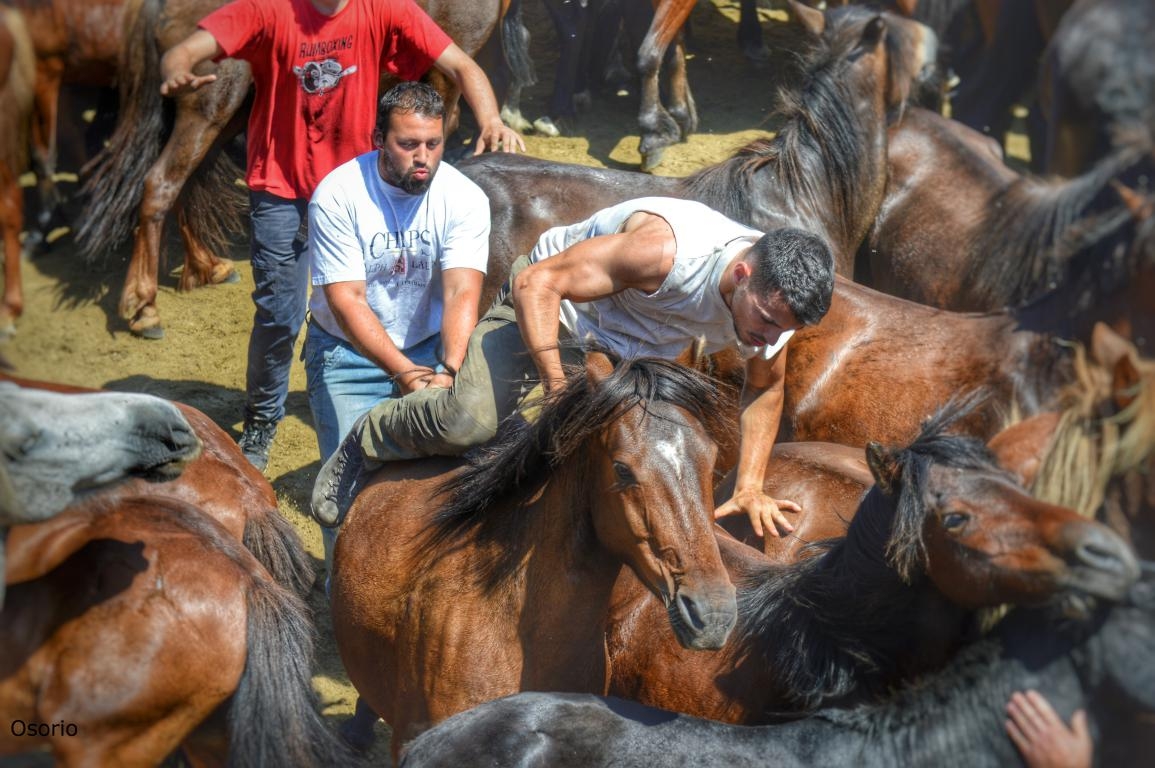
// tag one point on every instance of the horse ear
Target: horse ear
(872, 33)
(694, 356)
(883, 466)
(598, 367)
(811, 19)
(1116, 353)
(1141, 207)
(1020, 448)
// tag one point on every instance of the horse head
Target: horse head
(982, 539)
(59, 446)
(651, 471)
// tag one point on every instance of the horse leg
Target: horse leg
(11, 222)
(681, 107)
(49, 73)
(750, 33)
(658, 128)
(192, 137)
(569, 21)
(201, 266)
(515, 45)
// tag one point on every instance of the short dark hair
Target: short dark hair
(420, 98)
(799, 265)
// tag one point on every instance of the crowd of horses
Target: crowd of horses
(972, 426)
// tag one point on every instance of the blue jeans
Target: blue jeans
(278, 251)
(342, 385)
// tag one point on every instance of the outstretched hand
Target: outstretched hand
(499, 137)
(184, 81)
(1042, 737)
(765, 513)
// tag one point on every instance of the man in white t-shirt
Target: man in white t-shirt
(645, 277)
(399, 244)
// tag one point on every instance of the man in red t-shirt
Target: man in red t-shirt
(316, 65)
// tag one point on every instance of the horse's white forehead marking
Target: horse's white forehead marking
(673, 450)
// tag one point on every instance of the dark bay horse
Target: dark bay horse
(17, 74)
(943, 533)
(1097, 75)
(824, 170)
(219, 482)
(960, 230)
(512, 558)
(140, 178)
(160, 630)
(1105, 665)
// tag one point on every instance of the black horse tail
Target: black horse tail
(275, 544)
(273, 717)
(114, 179)
(515, 46)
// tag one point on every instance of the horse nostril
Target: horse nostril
(1103, 551)
(691, 613)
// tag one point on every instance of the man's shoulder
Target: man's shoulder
(346, 178)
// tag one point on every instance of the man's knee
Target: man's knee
(460, 431)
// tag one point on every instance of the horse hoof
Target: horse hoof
(515, 120)
(546, 127)
(230, 278)
(652, 159)
(146, 325)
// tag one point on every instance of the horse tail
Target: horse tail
(515, 46)
(275, 544)
(114, 179)
(273, 718)
(17, 85)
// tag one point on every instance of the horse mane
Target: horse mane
(1039, 233)
(490, 500)
(1090, 448)
(817, 151)
(841, 622)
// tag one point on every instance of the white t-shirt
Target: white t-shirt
(688, 305)
(361, 228)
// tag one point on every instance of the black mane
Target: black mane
(819, 148)
(841, 621)
(488, 499)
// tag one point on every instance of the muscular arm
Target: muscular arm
(639, 257)
(475, 88)
(762, 397)
(365, 332)
(178, 62)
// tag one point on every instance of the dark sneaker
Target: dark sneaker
(255, 441)
(339, 482)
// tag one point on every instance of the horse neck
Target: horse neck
(842, 623)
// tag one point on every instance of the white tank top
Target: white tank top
(687, 306)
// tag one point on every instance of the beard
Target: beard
(405, 180)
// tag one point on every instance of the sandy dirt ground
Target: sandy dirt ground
(71, 333)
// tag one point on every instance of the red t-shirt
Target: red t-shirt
(316, 79)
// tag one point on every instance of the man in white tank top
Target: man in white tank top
(647, 277)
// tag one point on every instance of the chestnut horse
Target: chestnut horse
(824, 171)
(513, 557)
(158, 625)
(219, 482)
(944, 532)
(17, 73)
(1104, 665)
(134, 184)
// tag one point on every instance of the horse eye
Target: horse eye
(954, 521)
(624, 475)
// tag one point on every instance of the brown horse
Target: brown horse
(1097, 75)
(219, 482)
(824, 170)
(76, 43)
(513, 558)
(17, 73)
(960, 230)
(944, 532)
(160, 624)
(135, 182)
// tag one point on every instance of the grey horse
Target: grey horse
(56, 448)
